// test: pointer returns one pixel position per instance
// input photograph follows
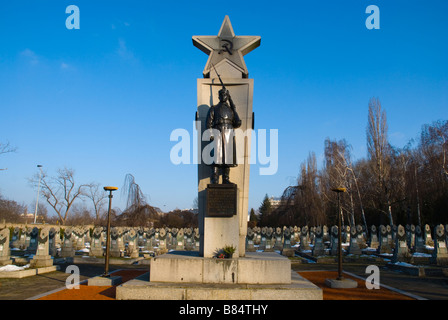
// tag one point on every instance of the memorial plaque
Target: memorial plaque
(221, 200)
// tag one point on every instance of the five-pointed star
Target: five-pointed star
(226, 46)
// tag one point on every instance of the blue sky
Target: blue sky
(104, 99)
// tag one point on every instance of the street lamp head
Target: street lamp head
(339, 190)
(39, 166)
(110, 188)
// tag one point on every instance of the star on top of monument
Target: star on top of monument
(226, 47)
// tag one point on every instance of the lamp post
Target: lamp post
(106, 264)
(338, 191)
(38, 187)
(340, 282)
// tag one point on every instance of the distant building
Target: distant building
(275, 202)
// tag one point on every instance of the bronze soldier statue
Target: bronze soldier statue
(223, 117)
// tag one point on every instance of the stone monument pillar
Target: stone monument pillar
(226, 64)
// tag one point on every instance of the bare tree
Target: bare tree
(434, 142)
(98, 196)
(6, 148)
(340, 173)
(60, 191)
(138, 212)
(379, 155)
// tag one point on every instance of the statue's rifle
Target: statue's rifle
(219, 77)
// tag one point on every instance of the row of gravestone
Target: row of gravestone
(125, 241)
(314, 240)
(38, 247)
(318, 241)
(133, 241)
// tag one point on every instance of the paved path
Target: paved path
(25, 288)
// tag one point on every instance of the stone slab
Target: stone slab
(28, 272)
(298, 289)
(341, 284)
(18, 274)
(47, 269)
(101, 281)
(254, 268)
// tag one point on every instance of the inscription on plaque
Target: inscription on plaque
(221, 200)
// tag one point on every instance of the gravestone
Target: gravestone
(262, 245)
(311, 235)
(52, 236)
(79, 234)
(4, 247)
(291, 237)
(196, 239)
(173, 239)
(269, 237)
(360, 233)
(334, 240)
(180, 240)
(319, 248)
(420, 245)
(325, 234)
(151, 239)
(304, 240)
(250, 240)
(296, 235)
(132, 250)
(287, 251)
(116, 238)
(345, 234)
(384, 246)
(22, 240)
(373, 241)
(410, 236)
(27, 241)
(189, 243)
(162, 241)
(42, 257)
(15, 240)
(140, 236)
(393, 234)
(427, 235)
(401, 251)
(257, 238)
(96, 245)
(440, 253)
(278, 236)
(354, 246)
(32, 247)
(68, 249)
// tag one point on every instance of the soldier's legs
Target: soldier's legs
(226, 175)
(215, 175)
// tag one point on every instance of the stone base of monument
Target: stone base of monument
(258, 276)
(101, 281)
(341, 284)
(5, 261)
(41, 261)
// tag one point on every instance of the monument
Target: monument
(222, 269)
